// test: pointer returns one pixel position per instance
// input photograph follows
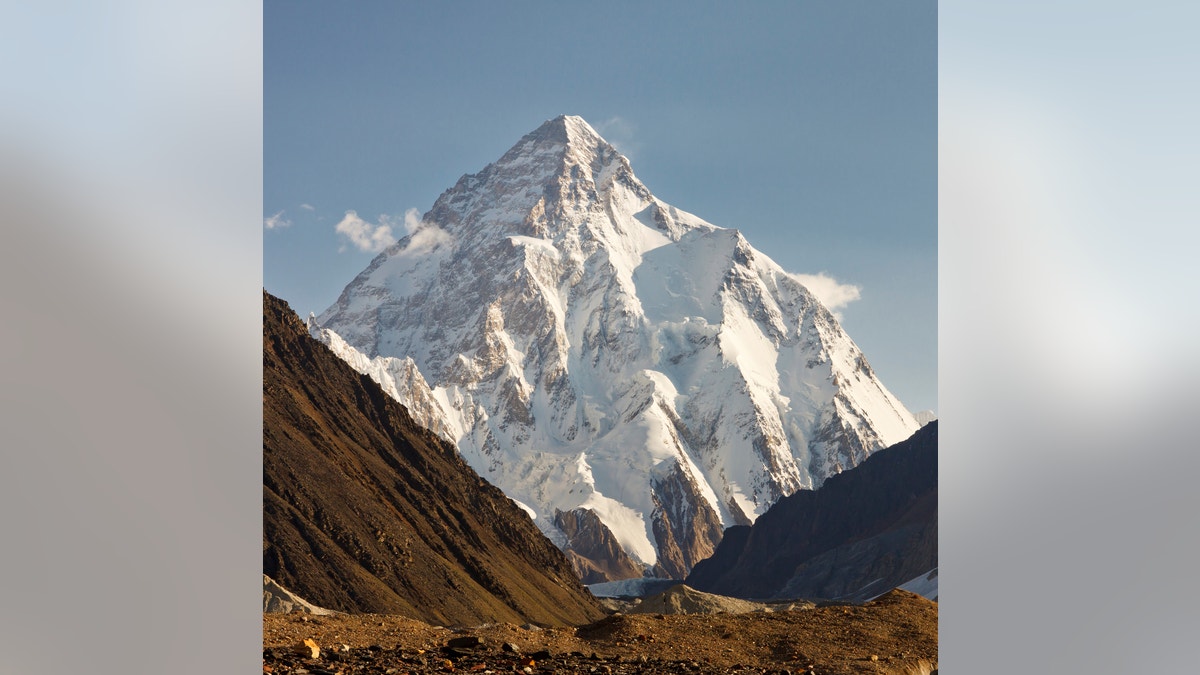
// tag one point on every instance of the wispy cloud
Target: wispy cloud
(366, 236)
(620, 132)
(276, 221)
(308, 207)
(422, 236)
(829, 291)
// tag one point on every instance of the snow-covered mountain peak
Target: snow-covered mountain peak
(553, 181)
(636, 376)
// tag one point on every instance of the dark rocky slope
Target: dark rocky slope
(863, 532)
(365, 511)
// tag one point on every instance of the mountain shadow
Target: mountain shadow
(865, 531)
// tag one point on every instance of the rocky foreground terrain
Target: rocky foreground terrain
(897, 633)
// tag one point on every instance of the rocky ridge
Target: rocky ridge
(365, 510)
(862, 533)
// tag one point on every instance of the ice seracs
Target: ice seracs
(591, 348)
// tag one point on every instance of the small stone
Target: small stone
(308, 648)
(510, 647)
(528, 670)
(345, 649)
(541, 656)
(874, 657)
(465, 642)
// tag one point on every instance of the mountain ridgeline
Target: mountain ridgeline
(636, 377)
(861, 534)
(365, 510)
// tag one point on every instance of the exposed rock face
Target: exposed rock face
(364, 510)
(862, 533)
(593, 347)
(686, 528)
(592, 549)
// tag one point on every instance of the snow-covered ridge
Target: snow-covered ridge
(589, 346)
(924, 417)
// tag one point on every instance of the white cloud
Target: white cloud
(620, 132)
(366, 236)
(829, 291)
(308, 207)
(422, 236)
(276, 221)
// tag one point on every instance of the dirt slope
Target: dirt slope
(365, 511)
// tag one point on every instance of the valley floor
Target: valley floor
(896, 633)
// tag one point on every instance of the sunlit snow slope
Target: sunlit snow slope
(591, 347)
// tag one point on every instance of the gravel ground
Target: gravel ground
(894, 634)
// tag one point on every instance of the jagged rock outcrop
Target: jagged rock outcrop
(364, 510)
(862, 533)
(592, 549)
(593, 347)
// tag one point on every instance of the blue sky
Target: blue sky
(811, 127)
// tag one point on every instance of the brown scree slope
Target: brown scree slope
(365, 511)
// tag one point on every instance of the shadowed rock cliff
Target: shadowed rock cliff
(862, 533)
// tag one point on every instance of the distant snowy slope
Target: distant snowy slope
(594, 349)
(925, 585)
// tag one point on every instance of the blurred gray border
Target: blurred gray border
(130, 276)
(130, 152)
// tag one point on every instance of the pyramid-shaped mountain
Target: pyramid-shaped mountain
(364, 510)
(638, 378)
